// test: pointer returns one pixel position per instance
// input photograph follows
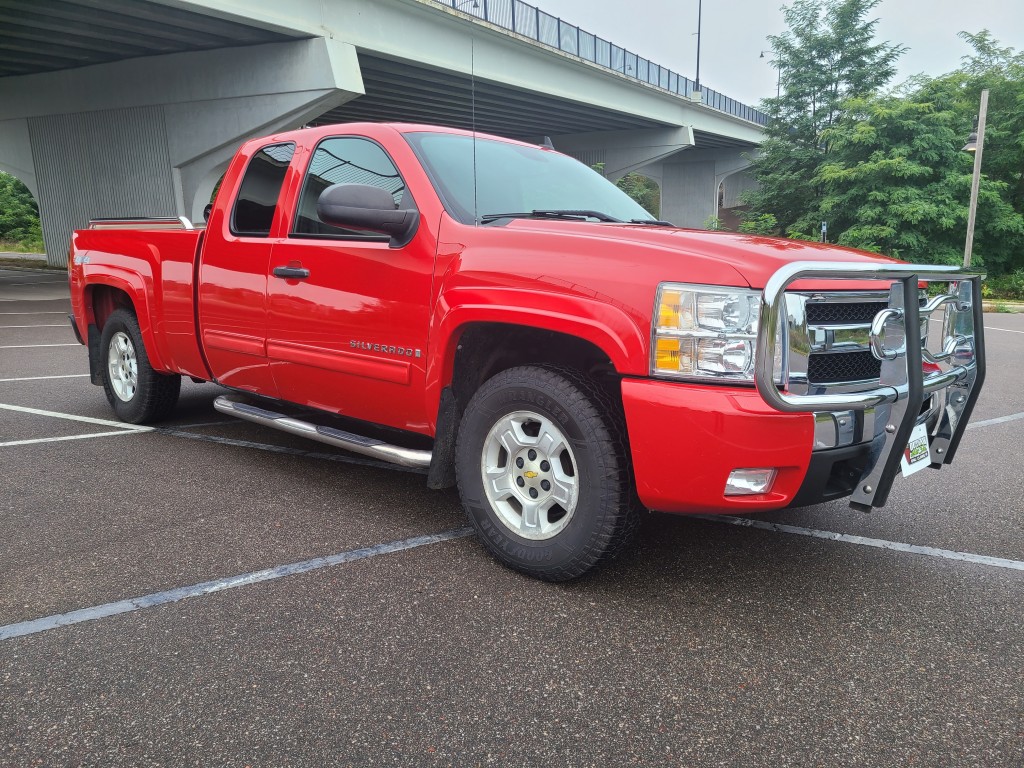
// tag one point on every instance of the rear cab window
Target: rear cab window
(260, 190)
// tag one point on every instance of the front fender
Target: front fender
(612, 329)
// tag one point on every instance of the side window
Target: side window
(260, 188)
(344, 161)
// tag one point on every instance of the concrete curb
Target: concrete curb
(995, 305)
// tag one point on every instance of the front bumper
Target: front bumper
(685, 440)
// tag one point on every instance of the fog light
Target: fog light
(749, 482)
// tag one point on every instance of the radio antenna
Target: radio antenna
(472, 101)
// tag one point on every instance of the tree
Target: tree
(896, 181)
(19, 214)
(827, 55)
(1001, 71)
(642, 189)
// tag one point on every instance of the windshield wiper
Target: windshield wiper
(549, 214)
(652, 222)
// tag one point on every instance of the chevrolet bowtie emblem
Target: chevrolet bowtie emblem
(531, 474)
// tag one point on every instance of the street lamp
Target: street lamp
(975, 144)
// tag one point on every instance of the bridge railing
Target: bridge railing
(530, 21)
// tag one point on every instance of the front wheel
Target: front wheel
(137, 393)
(543, 472)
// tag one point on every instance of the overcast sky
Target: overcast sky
(734, 33)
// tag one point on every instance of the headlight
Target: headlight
(705, 332)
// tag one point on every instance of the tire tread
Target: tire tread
(157, 393)
(603, 422)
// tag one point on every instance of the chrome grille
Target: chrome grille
(844, 313)
(828, 347)
(824, 368)
(827, 351)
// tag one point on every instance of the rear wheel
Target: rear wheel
(137, 393)
(543, 472)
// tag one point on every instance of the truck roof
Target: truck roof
(370, 129)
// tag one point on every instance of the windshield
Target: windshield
(514, 178)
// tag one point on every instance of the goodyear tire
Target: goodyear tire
(137, 393)
(543, 472)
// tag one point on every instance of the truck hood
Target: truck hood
(579, 277)
(753, 257)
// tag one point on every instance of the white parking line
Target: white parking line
(41, 378)
(73, 417)
(52, 325)
(846, 538)
(987, 327)
(344, 458)
(33, 346)
(1006, 330)
(219, 585)
(69, 437)
(998, 420)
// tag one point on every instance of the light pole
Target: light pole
(697, 83)
(975, 144)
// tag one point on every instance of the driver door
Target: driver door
(348, 314)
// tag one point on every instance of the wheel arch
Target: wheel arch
(103, 294)
(479, 349)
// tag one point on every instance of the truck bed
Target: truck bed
(156, 266)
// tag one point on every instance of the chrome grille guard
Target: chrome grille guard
(902, 386)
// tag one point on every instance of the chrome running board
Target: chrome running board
(367, 446)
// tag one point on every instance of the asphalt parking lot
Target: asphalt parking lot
(832, 638)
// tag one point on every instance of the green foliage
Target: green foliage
(1001, 71)
(19, 215)
(642, 189)
(825, 57)
(896, 182)
(1008, 286)
(759, 224)
(714, 224)
(885, 170)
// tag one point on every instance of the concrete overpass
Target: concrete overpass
(134, 107)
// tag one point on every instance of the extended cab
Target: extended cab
(504, 318)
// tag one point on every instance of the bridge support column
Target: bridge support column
(689, 176)
(150, 136)
(690, 184)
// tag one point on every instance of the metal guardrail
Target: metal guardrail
(530, 21)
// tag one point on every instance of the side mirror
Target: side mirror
(362, 206)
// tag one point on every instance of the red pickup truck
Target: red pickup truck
(501, 316)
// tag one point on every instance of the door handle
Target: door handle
(294, 273)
